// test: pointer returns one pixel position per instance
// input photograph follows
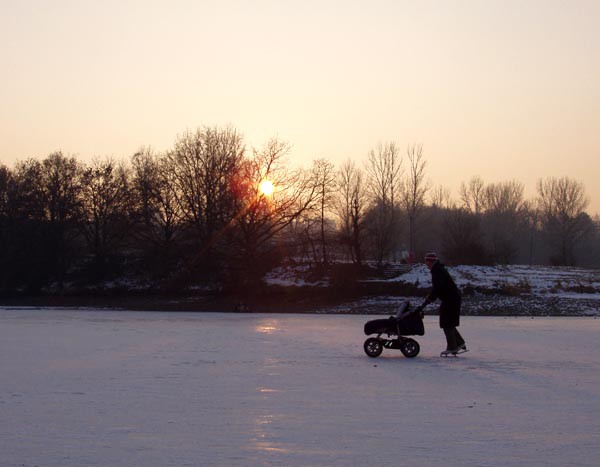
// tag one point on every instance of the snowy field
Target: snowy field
(117, 388)
(538, 279)
(487, 290)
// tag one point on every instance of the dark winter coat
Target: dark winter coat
(446, 290)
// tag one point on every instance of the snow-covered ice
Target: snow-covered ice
(118, 388)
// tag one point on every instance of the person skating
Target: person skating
(444, 288)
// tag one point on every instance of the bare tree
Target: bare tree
(260, 217)
(5, 182)
(562, 202)
(504, 197)
(168, 212)
(531, 218)
(415, 189)
(25, 245)
(105, 207)
(61, 185)
(203, 164)
(503, 203)
(384, 172)
(302, 231)
(350, 207)
(156, 204)
(461, 242)
(143, 182)
(28, 192)
(323, 172)
(6, 252)
(440, 197)
(472, 195)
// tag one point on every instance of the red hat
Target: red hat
(431, 258)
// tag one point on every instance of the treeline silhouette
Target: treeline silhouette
(194, 216)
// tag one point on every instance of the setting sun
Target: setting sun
(266, 187)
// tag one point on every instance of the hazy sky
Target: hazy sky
(500, 89)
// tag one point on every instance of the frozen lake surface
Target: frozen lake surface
(116, 388)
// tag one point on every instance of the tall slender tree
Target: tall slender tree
(384, 172)
(415, 190)
(351, 205)
(323, 172)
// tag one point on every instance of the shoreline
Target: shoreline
(479, 305)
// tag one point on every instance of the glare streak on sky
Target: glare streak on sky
(500, 89)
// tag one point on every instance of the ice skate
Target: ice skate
(454, 352)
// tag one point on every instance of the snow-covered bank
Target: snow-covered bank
(533, 279)
(487, 290)
(521, 290)
(99, 388)
(536, 279)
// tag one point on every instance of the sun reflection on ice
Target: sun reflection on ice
(263, 430)
(267, 327)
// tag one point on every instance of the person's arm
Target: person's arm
(431, 297)
(438, 285)
(421, 308)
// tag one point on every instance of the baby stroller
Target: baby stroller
(406, 322)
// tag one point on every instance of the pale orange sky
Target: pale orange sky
(500, 89)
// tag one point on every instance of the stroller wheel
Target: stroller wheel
(410, 348)
(373, 347)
